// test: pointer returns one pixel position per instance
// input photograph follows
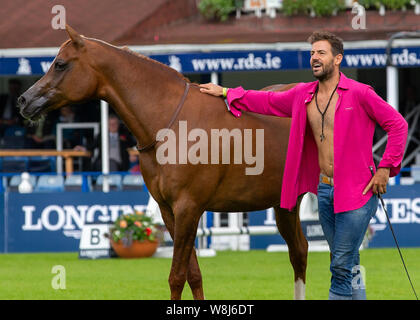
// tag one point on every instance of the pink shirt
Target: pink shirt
(357, 111)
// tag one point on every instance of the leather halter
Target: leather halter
(171, 122)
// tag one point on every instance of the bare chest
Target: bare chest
(321, 117)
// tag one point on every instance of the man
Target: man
(119, 142)
(330, 152)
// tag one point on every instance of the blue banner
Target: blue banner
(52, 222)
(235, 61)
(403, 206)
(25, 65)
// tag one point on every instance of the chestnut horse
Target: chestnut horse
(147, 96)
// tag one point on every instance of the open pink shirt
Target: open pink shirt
(357, 111)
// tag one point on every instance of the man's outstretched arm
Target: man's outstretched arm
(263, 102)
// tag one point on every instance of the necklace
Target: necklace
(322, 136)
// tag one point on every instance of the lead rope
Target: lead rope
(174, 116)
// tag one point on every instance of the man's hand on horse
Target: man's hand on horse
(379, 181)
(211, 88)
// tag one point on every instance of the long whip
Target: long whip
(395, 239)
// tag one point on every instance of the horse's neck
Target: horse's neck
(140, 93)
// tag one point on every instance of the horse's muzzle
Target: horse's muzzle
(21, 102)
(30, 108)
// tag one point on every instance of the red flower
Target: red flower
(148, 231)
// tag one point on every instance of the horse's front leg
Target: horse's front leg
(194, 275)
(186, 223)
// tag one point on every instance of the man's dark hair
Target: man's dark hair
(335, 42)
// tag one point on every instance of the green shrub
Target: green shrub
(326, 7)
(239, 3)
(216, 9)
(368, 4)
(320, 7)
(389, 4)
(293, 7)
(395, 4)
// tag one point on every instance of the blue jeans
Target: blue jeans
(344, 232)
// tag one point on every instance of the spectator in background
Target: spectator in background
(71, 137)
(9, 115)
(119, 141)
(134, 163)
(42, 134)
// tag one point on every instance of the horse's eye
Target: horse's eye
(60, 66)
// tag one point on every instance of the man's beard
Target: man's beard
(326, 74)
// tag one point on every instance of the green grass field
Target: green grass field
(230, 275)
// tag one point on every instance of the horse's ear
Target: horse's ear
(75, 37)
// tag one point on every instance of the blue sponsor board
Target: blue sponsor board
(25, 65)
(403, 206)
(235, 61)
(52, 222)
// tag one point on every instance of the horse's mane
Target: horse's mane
(157, 63)
(137, 55)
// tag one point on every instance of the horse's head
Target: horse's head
(70, 79)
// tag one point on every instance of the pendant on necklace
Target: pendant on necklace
(322, 137)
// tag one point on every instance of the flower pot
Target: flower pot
(137, 249)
